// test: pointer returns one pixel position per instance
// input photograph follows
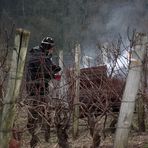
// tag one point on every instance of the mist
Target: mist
(113, 19)
(86, 22)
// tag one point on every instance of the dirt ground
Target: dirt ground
(136, 140)
(84, 141)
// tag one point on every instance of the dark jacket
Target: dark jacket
(40, 70)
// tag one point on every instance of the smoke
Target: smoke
(84, 21)
(127, 15)
(113, 18)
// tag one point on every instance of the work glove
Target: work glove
(55, 69)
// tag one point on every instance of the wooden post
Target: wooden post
(14, 83)
(1, 103)
(141, 98)
(61, 91)
(104, 53)
(130, 92)
(77, 87)
(141, 113)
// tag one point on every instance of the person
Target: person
(40, 68)
(39, 71)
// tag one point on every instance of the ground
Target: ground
(84, 140)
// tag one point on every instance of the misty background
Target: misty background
(71, 21)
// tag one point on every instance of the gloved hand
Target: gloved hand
(55, 69)
(57, 77)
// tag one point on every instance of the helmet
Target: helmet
(47, 43)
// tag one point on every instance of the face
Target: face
(50, 50)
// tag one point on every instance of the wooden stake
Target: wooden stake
(14, 83)
(77, 87)
(61, 91)
(130, 92)
(141, 98)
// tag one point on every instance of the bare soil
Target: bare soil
(136, 140)
(84, 140)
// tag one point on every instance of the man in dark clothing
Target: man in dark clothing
(40, 70)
